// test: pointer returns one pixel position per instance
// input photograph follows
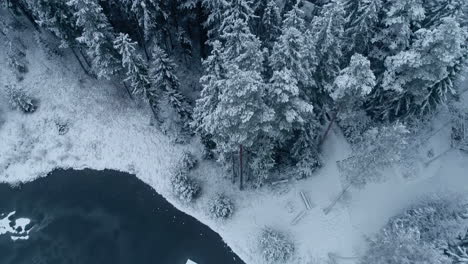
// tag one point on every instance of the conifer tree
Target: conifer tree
(349, 92)
(136, 70)
(98, 36)
(402, 18)
(288, 52)
(421, 77)
(150, 15)
(238, 116)
(363, 17)
(437, 10)
(216, 9)
(212, 81)
(57, 17)
(269, 25)
(327, 32)
(163, 75)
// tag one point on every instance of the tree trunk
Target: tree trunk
(84, 57)
(329, 127)
(128, 92)
(241, 180)
(80, 62)
(233, 179)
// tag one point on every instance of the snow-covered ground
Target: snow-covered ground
(109, 131)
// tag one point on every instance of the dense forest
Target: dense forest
(276, 74)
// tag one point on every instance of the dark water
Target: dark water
(104, 217)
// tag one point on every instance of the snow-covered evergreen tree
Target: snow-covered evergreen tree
(162, 73)
(241, 115)
(291, 110)
(363, 17)
(402, 18)
(212, 83)
(241, 47)
(354, 82)
(149, 14)
(351, 87)
(327, 32)
(136, 70)
(439, 9)
(98, 36)
(289, 53)
(216, 9)
(269, 26)
(421, 76)
(57, 17)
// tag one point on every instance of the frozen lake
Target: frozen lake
(100, 217)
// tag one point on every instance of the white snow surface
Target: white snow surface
(109, 131)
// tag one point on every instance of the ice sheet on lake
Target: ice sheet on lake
(17, 230)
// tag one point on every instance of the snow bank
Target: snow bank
(106, 130)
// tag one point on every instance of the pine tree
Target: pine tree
(439, 9)
(136, 70)
(327, 32)
(98, 36)
(288, 52)
(288, 5)
(242, 48)
(57, 17)
(354, 82)
(402, 18)
(215, 73)
(363, 17)
(150, 15)
(291, 110)
(238, 115)
(350, 89)
(421, 77)
(269, 24)
(216, 9)
(163, 75)
(241, 116)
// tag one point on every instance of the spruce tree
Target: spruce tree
(439, 9)
(215, 10)
(421, 77)
(327, 32)
(363, 17)
(98, 36)
(162, 73)
(269, 25)
(215, 73)
(238, 116)
(57, 17)
(288, 52)
(136, 70)
(349, 92)
(402, 18)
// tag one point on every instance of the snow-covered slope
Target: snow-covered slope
(109, 131)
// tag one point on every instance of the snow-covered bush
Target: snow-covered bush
(458, 251)
(380, 148)
(188, 161)
(18, 99)
(183, 187)
(276, 248)
(220, 207)
(419, 235)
